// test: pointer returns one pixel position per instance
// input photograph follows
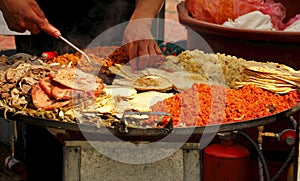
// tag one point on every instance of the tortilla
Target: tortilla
(268, 67)
(117, 71)
(272, 88)
(143, 101)
(152, 82)
(268, 81)
(122, 91)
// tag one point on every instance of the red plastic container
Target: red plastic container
(276, 46)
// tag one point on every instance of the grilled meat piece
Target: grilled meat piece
(58, 91)
(47, 85)
(55, 90)
(42, 100)
(61, 92)
(78, 80)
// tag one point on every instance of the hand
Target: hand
(22, 15)
(142, 49)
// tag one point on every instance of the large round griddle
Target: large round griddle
(124, 132)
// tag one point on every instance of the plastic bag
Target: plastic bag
(253, 20)
(276, 11)
(219, 11)
(293, 20)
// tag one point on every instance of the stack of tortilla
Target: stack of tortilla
(277, 78)
(195, 66)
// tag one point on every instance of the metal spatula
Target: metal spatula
(77, 49)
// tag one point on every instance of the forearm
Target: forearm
(2, 5)
(142, 49)
(22, 15)
(146, 9)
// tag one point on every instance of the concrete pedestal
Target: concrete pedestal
(84, 162)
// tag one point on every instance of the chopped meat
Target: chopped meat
(15, 74)
(25, 84)
(16, 99)
(38, 71)
(41, 100)
(6, 87)
(28, 80)
(5, 95)
(2, 77)
(25, 88)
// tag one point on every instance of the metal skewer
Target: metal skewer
(76, 48)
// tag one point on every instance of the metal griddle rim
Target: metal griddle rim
(132, 132)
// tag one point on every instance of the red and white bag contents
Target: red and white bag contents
(220, 11)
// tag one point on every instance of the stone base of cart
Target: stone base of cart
(84, 162)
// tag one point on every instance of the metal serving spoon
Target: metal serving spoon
(77, 49)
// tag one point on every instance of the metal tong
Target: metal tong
(77, 49)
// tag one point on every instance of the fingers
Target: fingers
(48, 28)
(17, 28)
(15, 24)
(158, 59)
(31, 18)
(41, 22)
(144, 53)
(37, 10)
(132, 53)
(35, 24)
(152, 52)
(33, 28)
(31, 25)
